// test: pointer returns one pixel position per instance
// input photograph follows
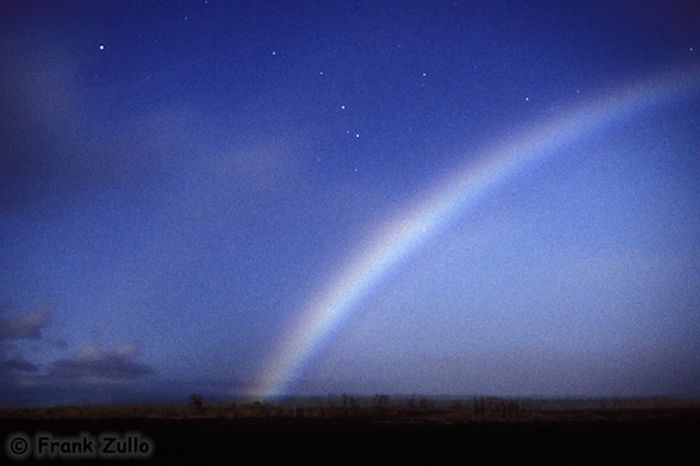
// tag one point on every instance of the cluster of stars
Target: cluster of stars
(350, 133)
(343, 107)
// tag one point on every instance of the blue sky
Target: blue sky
(172, 200)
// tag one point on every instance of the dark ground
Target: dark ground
(646, 436)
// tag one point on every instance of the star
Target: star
(357, 135)
(425, 74)
(102, 46)
(527, 99)
(274, 52)
(342, 107)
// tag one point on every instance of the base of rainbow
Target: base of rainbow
(400, 237)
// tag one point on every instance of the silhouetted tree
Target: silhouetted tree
(411, 402)
(197, 402)
(260, 409)
(423, 403)
(479, 407)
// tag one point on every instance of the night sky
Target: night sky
(182, 183)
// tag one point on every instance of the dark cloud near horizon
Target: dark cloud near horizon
(26, 326)
(101, 364)
(90, 376)
(16, 364)
(87, 375)
(27, 390)
(13, 328)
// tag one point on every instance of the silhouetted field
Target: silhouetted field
(483, 431)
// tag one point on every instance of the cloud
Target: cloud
(96, 363)
(17, 364)
(15, 370)
(51, 150)
(92, 374)
(25, 326)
